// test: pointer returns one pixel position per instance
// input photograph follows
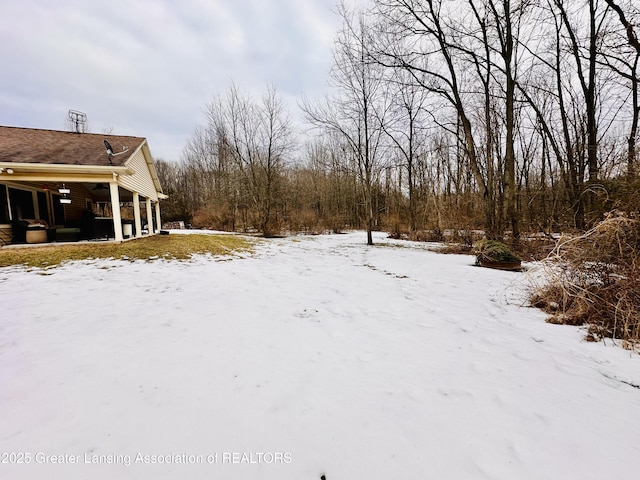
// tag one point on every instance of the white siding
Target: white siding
(140, 181)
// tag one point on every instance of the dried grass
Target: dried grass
(594, 280)
(455, 249)
(168, 247)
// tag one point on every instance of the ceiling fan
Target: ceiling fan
(100, 186)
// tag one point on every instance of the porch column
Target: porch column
(136, 214)
(149, 217)
(158, 222)
(115, 208)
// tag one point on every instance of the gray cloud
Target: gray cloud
(148, 67)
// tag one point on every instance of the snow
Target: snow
(193, 231)
(314, 356)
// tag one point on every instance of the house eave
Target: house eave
(21, 169)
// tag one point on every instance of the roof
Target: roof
(54, 147)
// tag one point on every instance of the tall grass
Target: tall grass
(594, 280)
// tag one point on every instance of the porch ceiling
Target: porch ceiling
(101, 192)
(98, 187)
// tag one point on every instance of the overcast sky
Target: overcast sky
(148, 67)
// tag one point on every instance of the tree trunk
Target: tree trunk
(510, 156)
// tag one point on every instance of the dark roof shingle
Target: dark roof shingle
(28, 145)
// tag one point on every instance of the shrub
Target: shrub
(494, 251)
(594, 279)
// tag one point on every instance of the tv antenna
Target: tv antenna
(79, 120)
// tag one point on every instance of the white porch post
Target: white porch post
(158, 222)
(149, 217)
(115, 208)
(136, 214)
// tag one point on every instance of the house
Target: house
(75, 186)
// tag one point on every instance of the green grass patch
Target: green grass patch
(168, 247)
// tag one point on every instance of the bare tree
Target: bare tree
(358, 106)
(403, 127)
(630, 30)
(256, 137)
(585, 58)
(505, 14)
(417, 37)
(624, 60)
(177, 206)
(498, 114)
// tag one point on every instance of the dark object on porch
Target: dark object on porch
(103, 228)
(87, 225)
(20, 231)
(67, 234)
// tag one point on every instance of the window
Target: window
(22, 205)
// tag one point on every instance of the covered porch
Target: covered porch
(68, 211)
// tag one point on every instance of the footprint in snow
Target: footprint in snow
(454, 392)
(307, 313)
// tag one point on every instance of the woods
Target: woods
(507, 116)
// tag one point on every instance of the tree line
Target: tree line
(507, 116)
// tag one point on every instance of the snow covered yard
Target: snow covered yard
(317, 355)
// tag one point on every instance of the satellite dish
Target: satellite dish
(107, 145)
(109, 148)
